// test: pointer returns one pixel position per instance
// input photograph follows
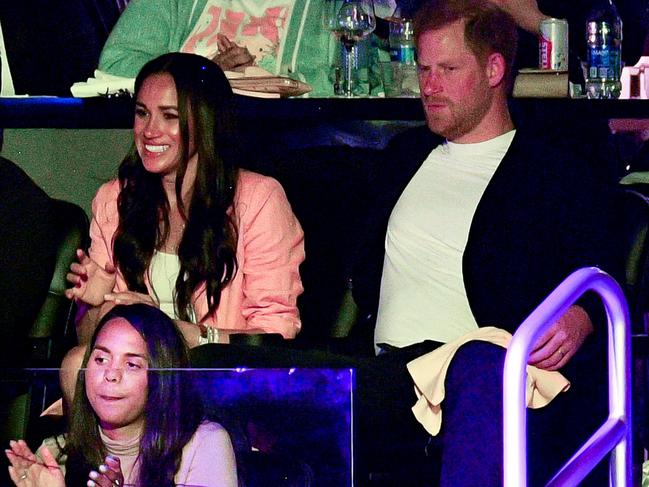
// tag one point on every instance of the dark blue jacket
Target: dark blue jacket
(546, 212)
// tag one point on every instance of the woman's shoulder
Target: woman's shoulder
(108, 191)
(105, 201)
(209, 428)
(210, 432)
(250, 183)
(208, 458)
(256, 192)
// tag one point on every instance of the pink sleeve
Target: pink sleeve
(100, 250)
(273, 251)
(103, 226)
(208, 459)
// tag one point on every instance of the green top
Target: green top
(150, 28)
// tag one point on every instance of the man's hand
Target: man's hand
(231, 56)
(557, 345)
(525, 13)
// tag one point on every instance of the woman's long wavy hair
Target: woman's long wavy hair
(207, 251)
(165, 432)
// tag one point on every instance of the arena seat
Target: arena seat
(52, 332)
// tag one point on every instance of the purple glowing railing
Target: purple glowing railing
(615, 434)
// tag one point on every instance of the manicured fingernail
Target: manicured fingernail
(91, 483)
(93, 474)
(103, 468)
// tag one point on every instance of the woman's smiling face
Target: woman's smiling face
(156, 127)
(116, 378)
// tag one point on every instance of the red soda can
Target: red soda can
(553, 45)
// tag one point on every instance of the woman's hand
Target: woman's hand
(232, 56)
(91, 281)
(130, 297)
(27, 470)
(109, 474)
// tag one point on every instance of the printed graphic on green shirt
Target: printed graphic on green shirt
(258, 26)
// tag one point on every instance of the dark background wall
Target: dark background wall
(53, 43)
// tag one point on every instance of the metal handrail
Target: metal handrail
(615, 434)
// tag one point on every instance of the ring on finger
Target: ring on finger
(24, 475)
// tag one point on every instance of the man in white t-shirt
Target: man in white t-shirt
(478, 221)
(422, 287)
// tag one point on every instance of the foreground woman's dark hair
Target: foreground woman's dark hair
(172, 413)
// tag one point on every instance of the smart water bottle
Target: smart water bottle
(604, 51)
(402, 41)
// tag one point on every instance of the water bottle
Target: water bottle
(403, 56)
(604, 51)
(402, 41)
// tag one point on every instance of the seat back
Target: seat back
(328, 188)
(634, 238)
(257, 469)
(52, 331)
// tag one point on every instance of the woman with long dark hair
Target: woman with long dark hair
(118, 435)
(215, 247)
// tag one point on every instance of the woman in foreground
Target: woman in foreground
(133, 424)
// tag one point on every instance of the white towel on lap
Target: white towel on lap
(429, 372)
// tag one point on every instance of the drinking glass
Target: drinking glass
(350, 21)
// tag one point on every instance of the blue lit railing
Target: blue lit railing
(615, 434)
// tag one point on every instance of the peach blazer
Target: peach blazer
(262, 296)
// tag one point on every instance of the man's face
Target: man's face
(454, 86)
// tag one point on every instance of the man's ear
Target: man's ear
(495, 69)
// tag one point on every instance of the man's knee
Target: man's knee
(69, 371)
(478, 355)
(477, 366)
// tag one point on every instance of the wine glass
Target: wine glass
(350, 21)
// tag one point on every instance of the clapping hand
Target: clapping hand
(232, 56)
(91, 281)
(27, 470)
(108, 474)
